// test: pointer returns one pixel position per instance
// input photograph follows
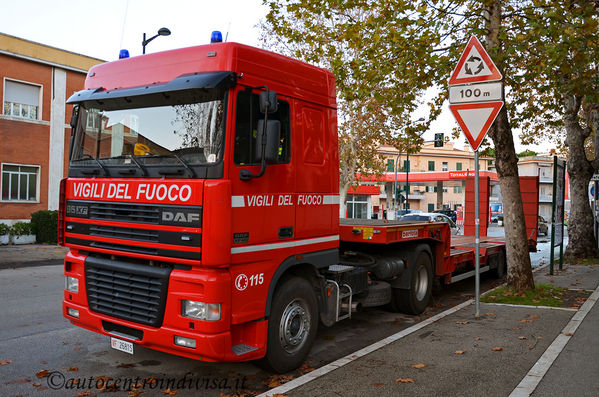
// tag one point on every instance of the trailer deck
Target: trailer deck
(454, 254)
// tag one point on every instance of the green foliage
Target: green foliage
(21, 229)
(45, 226)
(527, 153)
(4, 229)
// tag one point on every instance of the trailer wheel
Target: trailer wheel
(415, 299)
(499, 271)
(292, 326)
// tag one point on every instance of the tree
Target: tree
(381, 65)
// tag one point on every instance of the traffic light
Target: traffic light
(439, 139)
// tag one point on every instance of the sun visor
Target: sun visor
(183, 89)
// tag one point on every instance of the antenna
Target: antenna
(124, 22)
(227, 34)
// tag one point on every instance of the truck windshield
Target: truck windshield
(188, 134)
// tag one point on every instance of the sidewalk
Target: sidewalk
(31, 255)
(509, 350)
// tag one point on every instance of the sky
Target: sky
(100, 28)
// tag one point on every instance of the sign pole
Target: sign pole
(553, 216)
(476, 238)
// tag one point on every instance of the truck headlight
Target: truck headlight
(71, 284)
(200, 310)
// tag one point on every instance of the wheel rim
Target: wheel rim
(295, 326)
(421, 283)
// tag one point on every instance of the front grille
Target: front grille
(124, 232)
(129, 291)
(125, 212)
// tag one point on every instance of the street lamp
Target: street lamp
(161, 32)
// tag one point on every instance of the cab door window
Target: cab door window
(246, 129)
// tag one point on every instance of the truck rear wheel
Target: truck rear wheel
(292, 325)
(415, 299)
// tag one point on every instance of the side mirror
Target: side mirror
(273, 140)
(268, 102)
(73, 122)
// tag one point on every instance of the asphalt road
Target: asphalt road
(35, 340)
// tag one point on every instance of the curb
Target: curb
(19, 265)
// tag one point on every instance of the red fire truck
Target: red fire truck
(201, 210)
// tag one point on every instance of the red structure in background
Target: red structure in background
(529, 189)
(484, 185)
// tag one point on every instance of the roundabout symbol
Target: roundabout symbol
(476, 62)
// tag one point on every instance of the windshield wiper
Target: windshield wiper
(191, 172)
(87, 156)
(144, 172)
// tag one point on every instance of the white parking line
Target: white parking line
(297, 382)
(530, 382)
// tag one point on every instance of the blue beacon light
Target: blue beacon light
(216, 37)
(123, 54)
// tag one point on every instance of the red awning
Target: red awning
(363, 189)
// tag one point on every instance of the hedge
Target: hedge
(44, 225)
(21, 229)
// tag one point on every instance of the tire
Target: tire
(379, 294)
(499, 271)
(416, 299)
(292, 326)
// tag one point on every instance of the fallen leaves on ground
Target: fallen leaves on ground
(569, 334)
(278, 380)
(489, 314)
(460, 351)
(462, 322)
(418, 366)
(522, 337)
(526, 321)
(377, 384)
(5, 362)
(404, 380)
(169, 392)
(497, 349)
(84, 393)
(12, 382)
(533, 316)
(73, 369)
(43, 373)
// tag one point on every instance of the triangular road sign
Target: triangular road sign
(474, 65)
(475, 119)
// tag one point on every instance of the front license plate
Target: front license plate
(121, 345)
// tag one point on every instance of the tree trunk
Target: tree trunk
(519, 274)
(581, 240)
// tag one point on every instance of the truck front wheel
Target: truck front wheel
(292, 325)
(415, 299)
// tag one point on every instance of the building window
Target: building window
(431, 165)
(457, 189)
(357, 206)
(390, 165)
(445, 190)
(445, 167)
(458, 166)
(431, 207)
(19, 182)
(21, 99)
(406, 166)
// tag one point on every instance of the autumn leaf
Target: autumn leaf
(84, 393)
(460, 351)
(169, 392)
(5, 362)
(569, 334)
(497, 349)
(522, 337)
(418, 366)
(73, 369)
(526, 321)
(462, 322)
(42, 374)
(404, 380)
(533, 316)
(135, 393)
(125, 366)
(37, 384)
(490, 314)
(377, 384)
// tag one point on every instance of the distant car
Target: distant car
(453, 215)
(405, 212)
(497, 217)
(432, 217)
(543, 226)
